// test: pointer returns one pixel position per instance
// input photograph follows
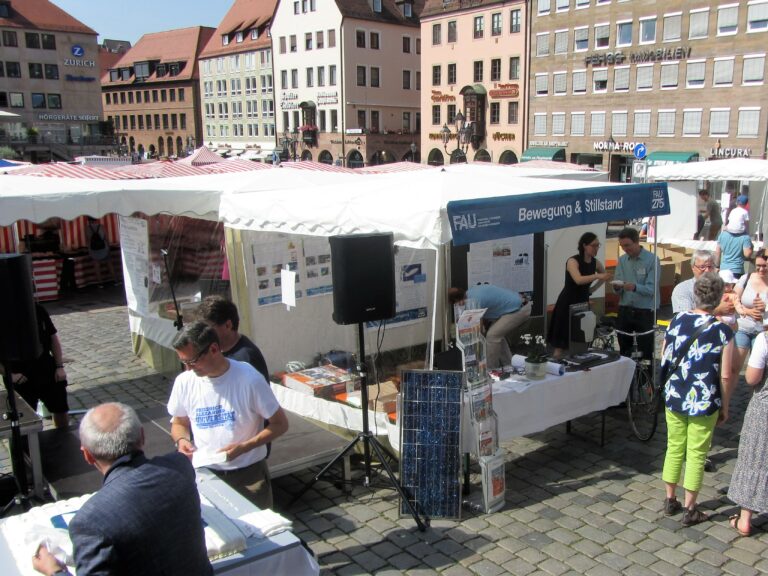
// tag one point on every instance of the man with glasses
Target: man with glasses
(636, 282)
(218, 408)
(682, 296)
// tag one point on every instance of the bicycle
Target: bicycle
(644, 396)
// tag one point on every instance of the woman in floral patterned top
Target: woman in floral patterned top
(696, 393)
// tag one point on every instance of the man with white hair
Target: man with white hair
(682, 296)
(146, 518)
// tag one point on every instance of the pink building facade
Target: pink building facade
(474, 65)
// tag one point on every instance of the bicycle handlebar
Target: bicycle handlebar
(610, 329)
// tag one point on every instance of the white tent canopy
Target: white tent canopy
(680, 226)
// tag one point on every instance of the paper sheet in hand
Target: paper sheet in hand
(201, 458)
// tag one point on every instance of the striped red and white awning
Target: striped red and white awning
(316, 166)
(393, 167)
(202, 157)
(160, 170)
(236, 165)
(64, 170)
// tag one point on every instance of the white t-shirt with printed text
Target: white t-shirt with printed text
(226, 409)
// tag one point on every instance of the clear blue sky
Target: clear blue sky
(130, 19)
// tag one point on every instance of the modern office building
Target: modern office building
(474, 55)
(152, 94)
(348, 79)
(238, 105)
(49, 78)
(685, 78)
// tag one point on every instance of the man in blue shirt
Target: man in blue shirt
(636, 282)
(731, 252)
(506, 310)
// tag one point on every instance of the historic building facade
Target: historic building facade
(686, 79)
(152, 94)
(347, 80)
(238, 105)
(49, 78)
(474, 58)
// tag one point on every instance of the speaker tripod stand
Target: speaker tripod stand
(369, 441)
(21, 498)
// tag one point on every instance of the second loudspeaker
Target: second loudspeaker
(363, 277)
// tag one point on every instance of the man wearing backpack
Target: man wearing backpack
(98, 248)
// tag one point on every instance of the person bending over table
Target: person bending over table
(506, 310)
(635, 281)
(219, 405)
(584, 274)
(146, 518)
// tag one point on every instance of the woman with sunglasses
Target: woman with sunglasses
(751, 298)
(584, 274)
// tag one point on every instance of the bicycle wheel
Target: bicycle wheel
(642, 402)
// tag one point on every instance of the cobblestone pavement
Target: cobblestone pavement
(572, 507)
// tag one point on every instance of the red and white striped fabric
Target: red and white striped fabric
(160, 170)
(202, 157)
(24, 227)
(203, 263)
(64, 170)
(316, 166)
(236, 165)
(45, 276)
(394, 167)
(7, 240)
(74, 233)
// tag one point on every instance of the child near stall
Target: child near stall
(728, 296)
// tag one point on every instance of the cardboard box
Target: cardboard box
(323, 381)
(387, 397)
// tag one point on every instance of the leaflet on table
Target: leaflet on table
(507, 263)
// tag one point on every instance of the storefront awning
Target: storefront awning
(543, 153)
(664, 158)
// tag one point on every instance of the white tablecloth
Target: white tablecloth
(523, 407)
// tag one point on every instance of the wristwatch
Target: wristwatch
(182, 438)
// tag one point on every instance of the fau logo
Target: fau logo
(465, 222)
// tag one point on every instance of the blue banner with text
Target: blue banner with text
(482, 219)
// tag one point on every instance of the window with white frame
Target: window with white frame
(672, 27)
(727, 20)
(692, 122)
(561, 41)
(580, 39)
(621, 79)
(597, 124)
(542, 44)
(757, 16)
(558, 124)
(599, 80)
(694, 73)
(666, 123)
(723, 72)
(719, 121)
(321, 75)
(579, 82)
(669, 73)
(642, 123)
(542, 84)
(644, 77)
(577, 123)
(543, 6)
(619, 123)
(540, 124)
(648, 30)
(624, 33)
(559, 83)
(602, 36)
(582, 4)
(563, 5)
(749, 122)
(754, 69)
(698, 26)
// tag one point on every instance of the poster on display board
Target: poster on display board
(269, 260)
(317, 266)
(411, 288)
(507, 263)
(134, 242)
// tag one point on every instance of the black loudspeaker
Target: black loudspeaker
(363, 277)
(19, 337)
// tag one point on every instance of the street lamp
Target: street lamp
(463, 131)
(288, 142)
(611, 144)
(413, 151)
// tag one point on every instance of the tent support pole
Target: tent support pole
(544, 289)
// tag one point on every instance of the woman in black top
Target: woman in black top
(584, 274)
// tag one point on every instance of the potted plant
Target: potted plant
(308, 133)
(536, 358)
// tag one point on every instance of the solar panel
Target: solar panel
(430, 441)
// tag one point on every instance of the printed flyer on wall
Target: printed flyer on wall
(507, 263)
(269, 259)
(317, 266)
(411, 284)
(134, 242)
